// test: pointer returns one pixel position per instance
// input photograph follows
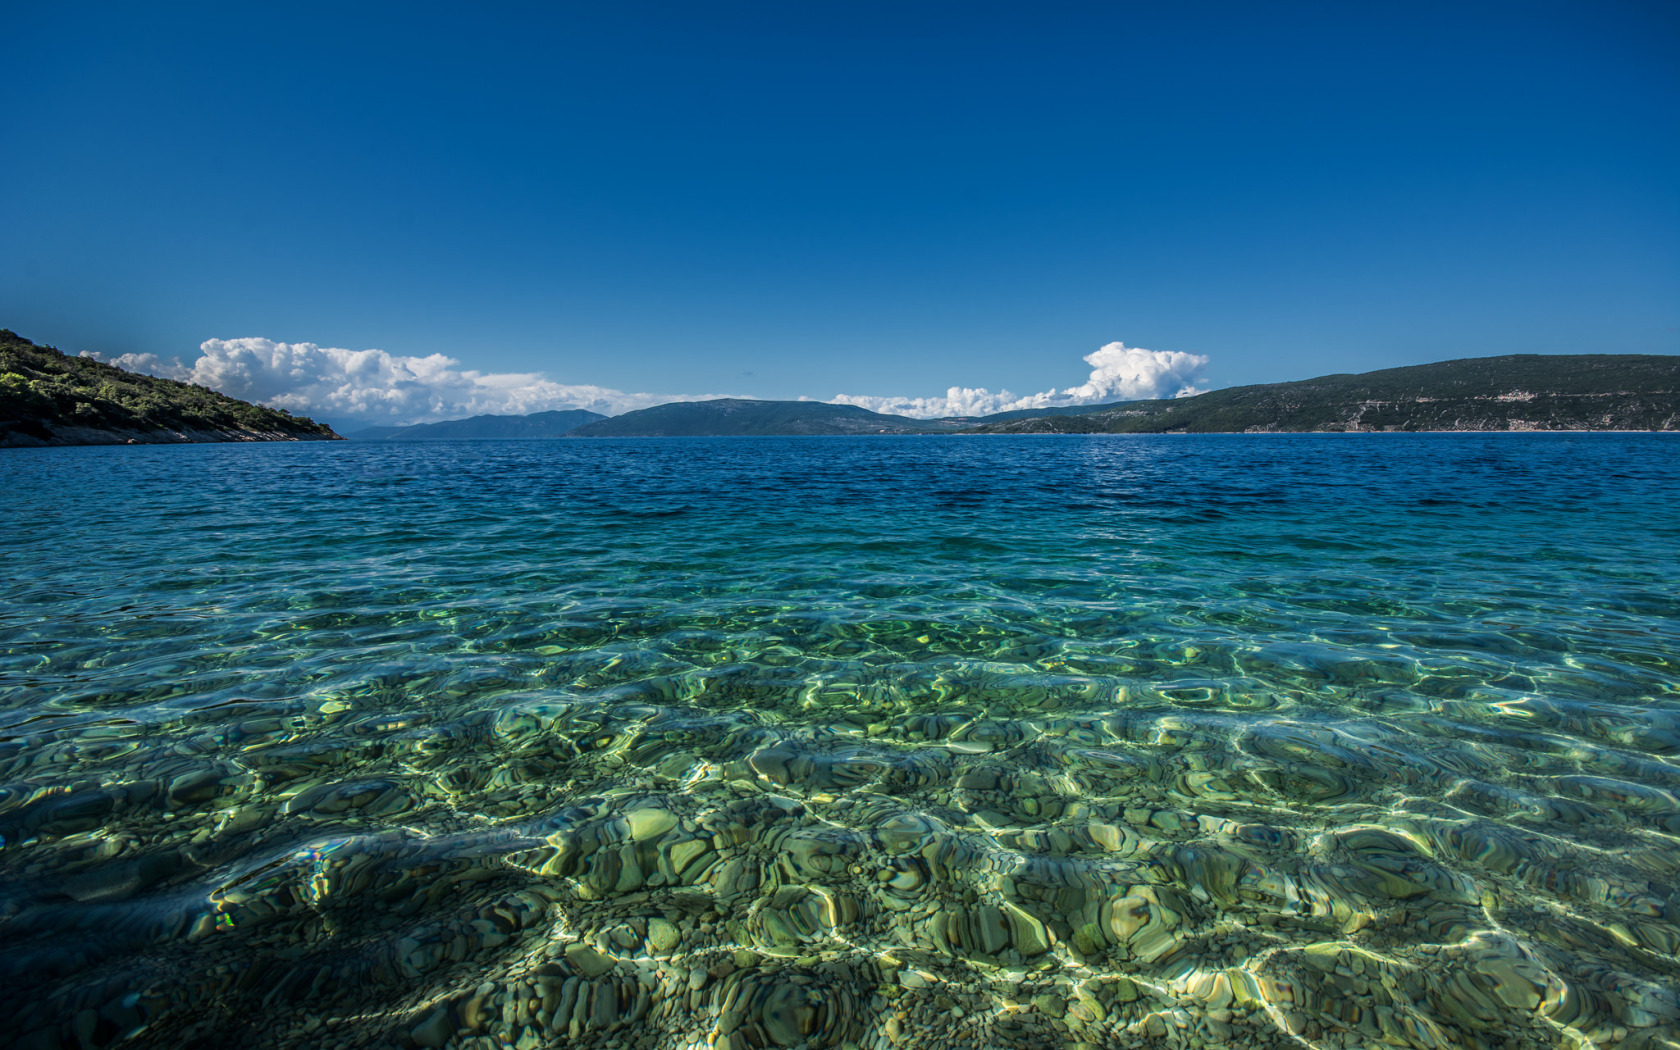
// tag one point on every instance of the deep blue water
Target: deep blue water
(823, 740)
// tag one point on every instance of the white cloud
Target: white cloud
(376, 387)
(373, 386)
(1118, 373)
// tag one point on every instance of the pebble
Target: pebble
(1049, 1005)
(587, 960)
(639, 921)
(662, 935)
(435, 1030)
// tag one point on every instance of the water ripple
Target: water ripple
(828, 743)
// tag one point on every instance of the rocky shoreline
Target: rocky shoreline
(14, 435)
(50, 398)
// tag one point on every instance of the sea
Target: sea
(1329, 741)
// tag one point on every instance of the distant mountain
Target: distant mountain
(49, 398)
(372, 433)
(739, 417)
(535, 426)
(1517, 392)
(1034, 413)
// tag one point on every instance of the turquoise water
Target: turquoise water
(1346, 740)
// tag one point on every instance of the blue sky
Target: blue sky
(784, 200)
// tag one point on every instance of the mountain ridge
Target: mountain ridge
(533, 427)
(1510, 392)
(749, 417)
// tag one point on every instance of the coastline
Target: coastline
(78, 436)
(1283, 433)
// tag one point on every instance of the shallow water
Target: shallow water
(1343, 740)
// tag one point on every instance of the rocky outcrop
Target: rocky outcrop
(49, 398)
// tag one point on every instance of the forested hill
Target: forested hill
(49, 398)
(1517, 392)
(741, 417)
(535, 426)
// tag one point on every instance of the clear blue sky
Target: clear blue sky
(788, 199)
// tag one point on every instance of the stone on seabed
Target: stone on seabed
(435, 1030)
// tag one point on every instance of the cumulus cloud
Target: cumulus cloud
(373, 386)
(1118, 373)
(376, 387)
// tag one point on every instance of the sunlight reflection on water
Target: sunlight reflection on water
(924, 742)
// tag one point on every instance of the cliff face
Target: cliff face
(48, 398)
(1519, 392)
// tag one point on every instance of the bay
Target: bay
(1217, 740)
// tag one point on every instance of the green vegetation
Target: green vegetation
(536, 426)
(47, 397)
(1518, 392)
(737, 417)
